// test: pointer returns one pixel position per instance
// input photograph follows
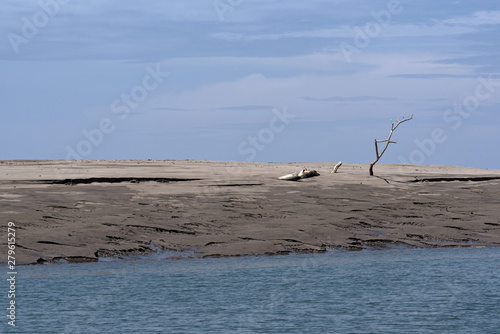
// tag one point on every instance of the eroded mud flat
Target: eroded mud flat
(84, 210)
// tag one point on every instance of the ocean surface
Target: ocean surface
(373, 291)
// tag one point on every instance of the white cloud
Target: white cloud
(452, 26)
(477, 19)
(390, 95)
(343, 31)
(172, 10)
(400, 30)
(315, 61)
(422, 30)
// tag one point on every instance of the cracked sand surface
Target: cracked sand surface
(119, 208)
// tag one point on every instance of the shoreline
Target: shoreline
(79, 211)
(187, 255)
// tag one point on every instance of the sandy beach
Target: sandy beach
(81, 210)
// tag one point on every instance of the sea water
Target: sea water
(376, 291)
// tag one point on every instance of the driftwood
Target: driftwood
(290, 177)
(303, 174)
(307, 173)
(387, 141)
(336, 167)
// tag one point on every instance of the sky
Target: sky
(251, 80)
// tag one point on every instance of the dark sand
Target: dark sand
(83, 210)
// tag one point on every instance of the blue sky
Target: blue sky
(251, 80)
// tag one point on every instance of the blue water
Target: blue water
(375, 291)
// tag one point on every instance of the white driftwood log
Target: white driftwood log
(303, 174)
(290, 177)
(307, 173)
(336, 168)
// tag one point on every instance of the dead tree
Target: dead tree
(387, 141)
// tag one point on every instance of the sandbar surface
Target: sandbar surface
(80, 211)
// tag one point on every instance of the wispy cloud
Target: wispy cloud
(348, 99)
(246, 108)
(477, 19)
(400, 30)
(451, 26)
(343, 31)
(433, 76)
(172, 109)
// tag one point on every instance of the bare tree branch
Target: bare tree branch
(387, 141)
